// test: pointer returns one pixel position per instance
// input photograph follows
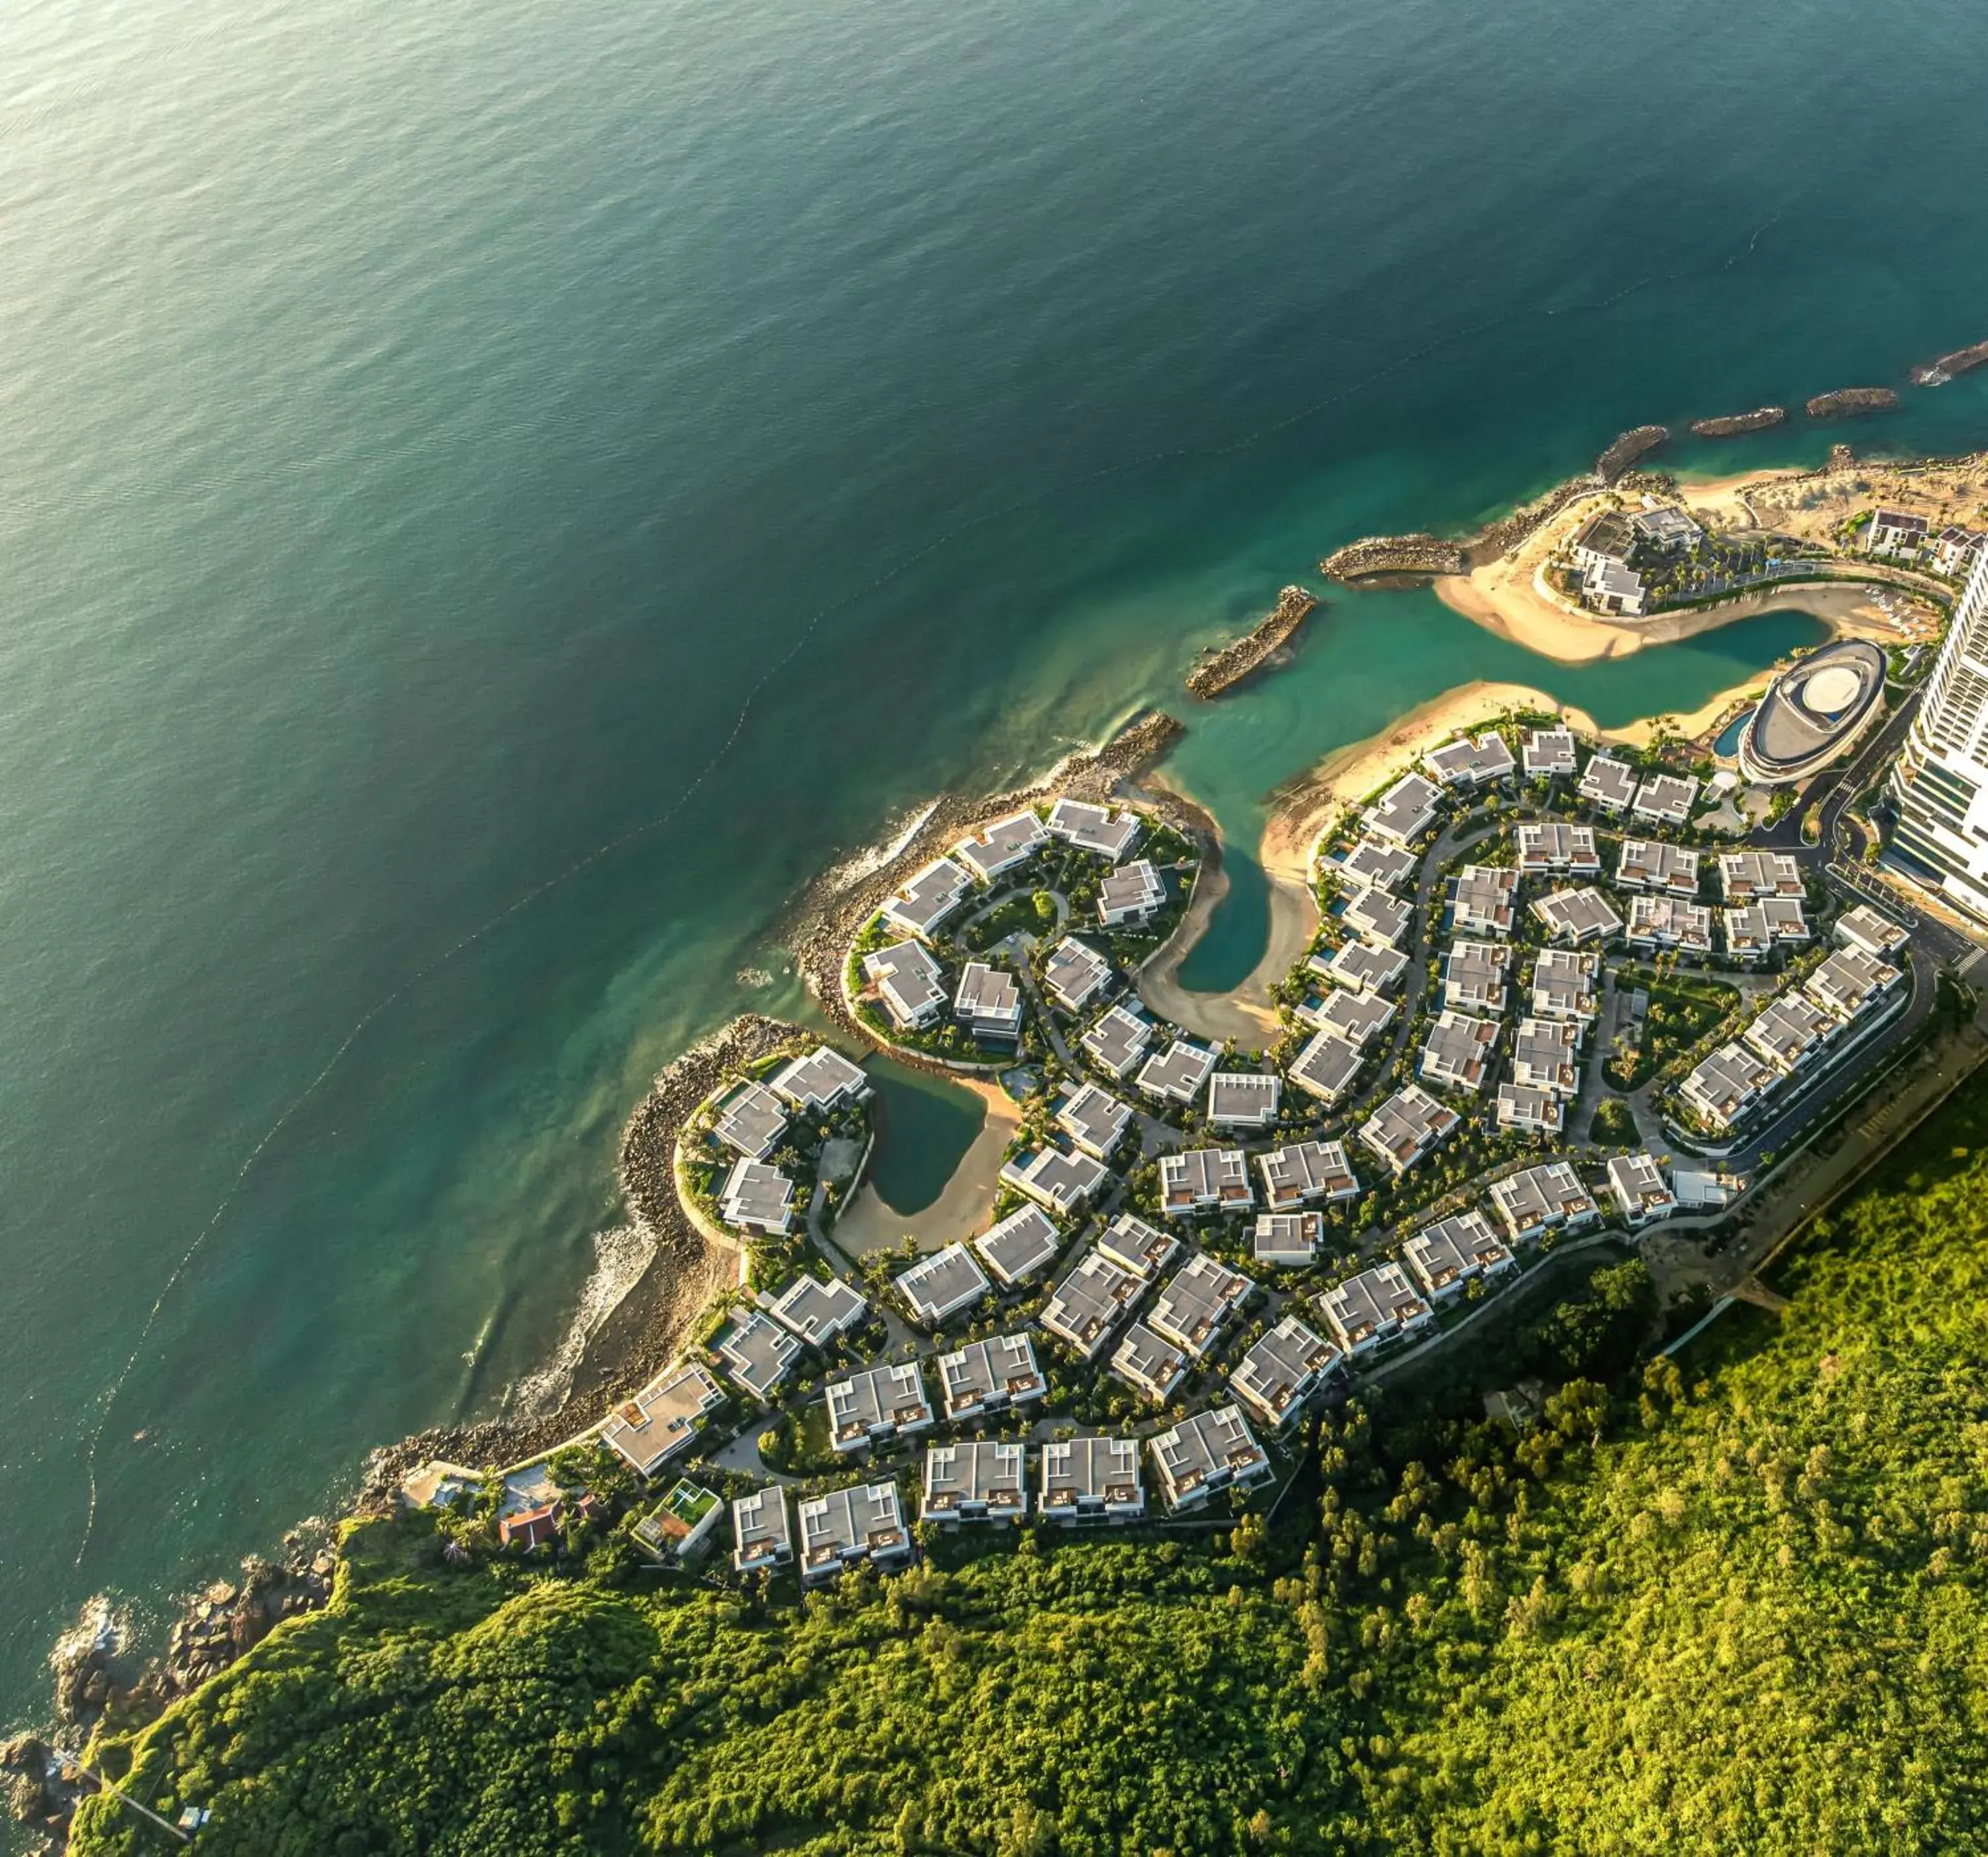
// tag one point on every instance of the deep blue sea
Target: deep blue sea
(493, 498)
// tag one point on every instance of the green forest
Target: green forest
(1733, 1602)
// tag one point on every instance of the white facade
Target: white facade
(1942, 776)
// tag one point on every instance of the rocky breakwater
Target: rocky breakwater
(1375, 555)
(1423, 556)
(1937, 373)
(1228, 667)
(1852, 402)
(835, 909)
(1732, 425)
(1627, 448)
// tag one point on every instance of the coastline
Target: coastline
(1505, 594)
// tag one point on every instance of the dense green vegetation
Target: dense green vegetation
(1732, 1603)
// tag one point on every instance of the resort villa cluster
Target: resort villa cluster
(1198, 1244)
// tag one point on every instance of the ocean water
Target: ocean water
(494, 498)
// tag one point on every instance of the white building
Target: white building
(1666, 798)
(985, 1480)
(1144, 1249)
(1286, 1240)
(1523, 1109)
(1608, 783)
(989, 1002)
(1194, 1307)
(1550, 753)
(930, 900)
(1375, 1307)
(878, 1405)
(1075, 975)
(1089, 1303)
(1131, 896)
(996, 849)
(1721, 1088)
(1118, 1040)
(909, 981)
(817, 1310)
(1650, 863)
(757, 1198)
(1448, 1253)
(1091, 1480)
(1063, 1183)
(1148, 1364)
(1306, 1171)
(1640, 1188)
(1578, 916)
(1282, 1371)
(1210, 1451)
(1548, 1197)
(1094, 1119)
(1554, 845)
(1405, 811)
(762, 1536)
(1471, 761)
(1096, 829)
(988, 1377)
(1196, 1182)
(1246, 1100)
(1458, 1053)
(1407, 1126)
(1019, 1246)
(847, 1527)
(821, 1081)
(1176, 1075)
(1326, 1067)
(939, 1287)
(1481, 899)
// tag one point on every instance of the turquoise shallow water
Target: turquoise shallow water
(494, 498)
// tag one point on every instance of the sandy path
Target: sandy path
(965, 1205)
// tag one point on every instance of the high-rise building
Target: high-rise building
(1942, 775)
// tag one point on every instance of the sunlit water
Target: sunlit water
(494, 498)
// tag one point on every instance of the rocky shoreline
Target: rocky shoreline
(831, 916)
(1852, 402)
(1423, 556)
(1236, 660)
(1731, 425)
(1635, 444)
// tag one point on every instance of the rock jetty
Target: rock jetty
(1228, 667)
(1731, 425)
(1939, 373)
(1629, 447)
(1852, 402)
(1395, 554)
(1425, 555)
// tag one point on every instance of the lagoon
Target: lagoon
(1366, 660)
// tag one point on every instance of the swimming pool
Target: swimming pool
(1728, 744)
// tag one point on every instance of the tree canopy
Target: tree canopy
(1732, 1601)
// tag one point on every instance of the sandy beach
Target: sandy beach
(1304, 807)
(1246, 1013)
(868, 1224)
(1509, 597)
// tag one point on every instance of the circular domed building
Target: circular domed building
(1813, 711)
